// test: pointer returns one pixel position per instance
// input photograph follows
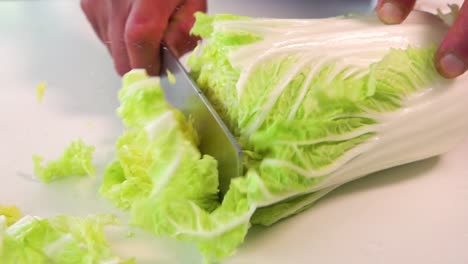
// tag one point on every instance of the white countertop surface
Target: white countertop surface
(416, 213)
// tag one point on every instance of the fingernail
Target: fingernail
(451, 66)
(390, 13)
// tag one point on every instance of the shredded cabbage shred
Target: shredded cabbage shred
(61, 239)
(76, 160)
(315, 103)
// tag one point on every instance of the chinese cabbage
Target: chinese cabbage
(315, 103)
(320, 102)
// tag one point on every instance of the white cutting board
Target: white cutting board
(412, 214)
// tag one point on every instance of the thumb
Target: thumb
(452, 56)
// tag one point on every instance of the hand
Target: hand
(452, 56)
(133, 30)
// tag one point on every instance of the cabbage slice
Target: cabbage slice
(158, 149)
(160, 176)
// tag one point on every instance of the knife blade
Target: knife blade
(215, 138)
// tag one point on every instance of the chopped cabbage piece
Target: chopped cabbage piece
(11, 214)
(62, 239)
(76, 160)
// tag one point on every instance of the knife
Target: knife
(215, 138)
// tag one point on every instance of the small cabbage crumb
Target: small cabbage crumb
(171, 77)
(11, 213)
(76, 160)
(40, 89)
(130, 234)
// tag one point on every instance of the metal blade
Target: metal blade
(215, 138)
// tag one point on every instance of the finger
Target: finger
(87, 8)
(178, 37)
(119, 11)
(97, 14)
(144, 30)
(452, 56)
(394, 11)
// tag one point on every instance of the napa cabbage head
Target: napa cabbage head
(321, 102)
(314, 103)
(324, 101)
